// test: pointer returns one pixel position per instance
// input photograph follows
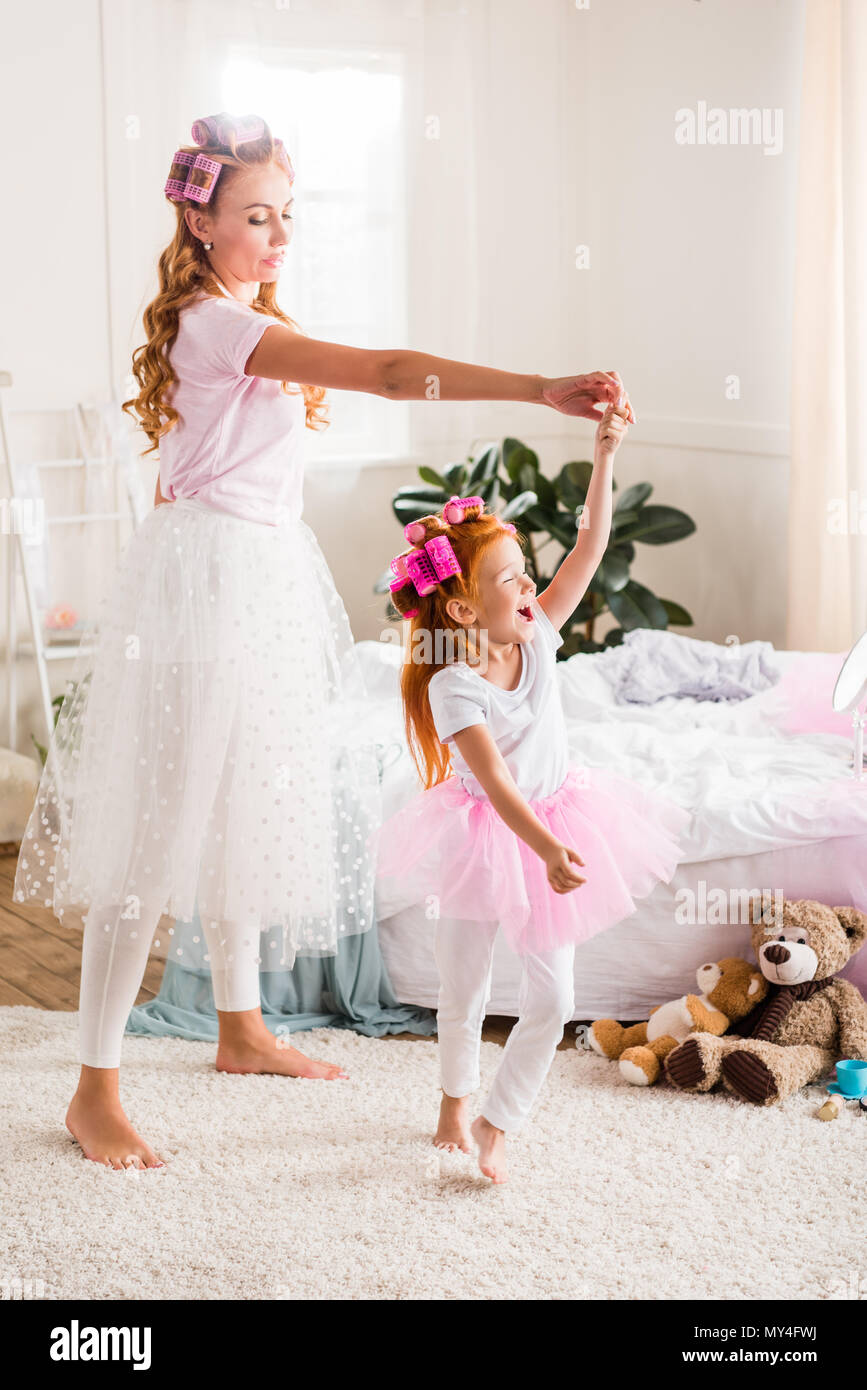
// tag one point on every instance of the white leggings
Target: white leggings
(464, 955)
(114, 957)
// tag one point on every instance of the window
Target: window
(340, 115)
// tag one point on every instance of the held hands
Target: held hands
(611, 431)
(561, 876)
(585, 395)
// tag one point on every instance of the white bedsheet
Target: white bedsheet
(756, 824)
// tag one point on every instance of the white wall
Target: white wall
(691, 259)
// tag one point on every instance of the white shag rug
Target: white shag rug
(282, 1189)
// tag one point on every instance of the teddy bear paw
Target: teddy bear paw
(684, 1067)
(749, 1077)
(639, 1066)
(605, 1036)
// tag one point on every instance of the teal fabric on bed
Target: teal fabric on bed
(349, 990)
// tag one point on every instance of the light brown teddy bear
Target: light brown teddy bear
(728, 990)
(809, 1020)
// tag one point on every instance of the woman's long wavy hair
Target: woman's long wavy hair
(184, 271)
(470, 539)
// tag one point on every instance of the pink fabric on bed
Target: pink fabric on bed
(800, 702)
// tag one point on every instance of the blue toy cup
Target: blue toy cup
(852, 1077)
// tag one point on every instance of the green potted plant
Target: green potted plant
(548, 510)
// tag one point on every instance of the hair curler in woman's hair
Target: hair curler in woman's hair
(210, 130)
(194, 176)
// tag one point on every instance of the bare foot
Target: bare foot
(492, 1148)
(264, 1055)
(452, 1130)
(105, 1134)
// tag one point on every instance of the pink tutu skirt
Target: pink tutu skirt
(453, 852)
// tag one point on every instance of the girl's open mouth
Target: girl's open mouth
(526, 613)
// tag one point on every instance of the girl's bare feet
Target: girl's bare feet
(247, 1046)
(96, 1120)
(492, 1149)
(452, 1130)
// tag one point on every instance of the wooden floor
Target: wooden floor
(40, 960)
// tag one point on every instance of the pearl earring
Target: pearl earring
(208, 245)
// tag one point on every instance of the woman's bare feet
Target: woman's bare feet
(492, 1149)
(247, 1046)
(453, 1130)
(96, 1120)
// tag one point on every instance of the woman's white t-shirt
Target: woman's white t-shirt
(526, 723)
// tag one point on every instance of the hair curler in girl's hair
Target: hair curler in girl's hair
(455, 510)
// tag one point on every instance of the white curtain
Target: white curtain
(827, 608)
(168, 62)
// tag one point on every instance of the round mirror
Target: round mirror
(851, 686)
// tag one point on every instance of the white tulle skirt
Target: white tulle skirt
(209, 751)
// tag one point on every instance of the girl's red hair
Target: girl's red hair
(470, 539)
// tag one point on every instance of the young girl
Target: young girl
(207, 753)
(497, 845)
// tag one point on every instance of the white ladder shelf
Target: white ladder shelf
(18, 561)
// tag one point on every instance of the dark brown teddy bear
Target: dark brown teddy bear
(809, 1020)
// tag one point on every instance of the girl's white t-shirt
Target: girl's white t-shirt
(527, 723)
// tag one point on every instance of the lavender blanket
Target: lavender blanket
(648, 665)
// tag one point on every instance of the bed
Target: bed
(775, 809)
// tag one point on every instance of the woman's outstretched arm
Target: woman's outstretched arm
(403, 374)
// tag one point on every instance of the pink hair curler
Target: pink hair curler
(445, 561)
(420, 568)
(425, 567)
(192, 176)
(455, 508)
(209, 130)
(414, 532)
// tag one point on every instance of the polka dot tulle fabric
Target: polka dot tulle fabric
(208, 756)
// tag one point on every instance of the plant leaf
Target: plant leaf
(517, 456)
(546, 491)
(405, 509)
(455, 476)
(419, 493)
(528, 477)
(518, 505)
(430, 476)
(634, 496)
(624, 548)
(490, 491)
(658, 526)
(572, 483)
(485, 466)
(613, 573)
(636, 606)
(676, 614)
